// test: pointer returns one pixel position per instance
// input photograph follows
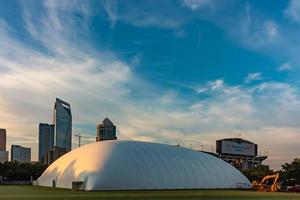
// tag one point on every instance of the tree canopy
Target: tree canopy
(257, 173)
(290, 173)
(16, 171)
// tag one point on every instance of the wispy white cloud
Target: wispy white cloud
(217, 84)
(240, 20)
(111, 10)
(257, 32)
(210, 86)
(253, 77)
(161, 14)
(200, 90)
(198, 4)
(284, 67)
(152, 20)
(271, 29)
(293, 11)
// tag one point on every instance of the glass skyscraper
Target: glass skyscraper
(46, 140)
(62, 120)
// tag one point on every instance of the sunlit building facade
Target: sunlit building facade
(46, 140)
(62, 120)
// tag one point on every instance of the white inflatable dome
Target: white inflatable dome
(132, 165)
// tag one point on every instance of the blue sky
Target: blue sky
(180, 71)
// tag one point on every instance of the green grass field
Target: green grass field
(36, 193)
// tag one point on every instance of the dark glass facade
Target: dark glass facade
(63, 124)
(46, 140)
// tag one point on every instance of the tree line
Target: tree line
(16, 171)
(289, 173)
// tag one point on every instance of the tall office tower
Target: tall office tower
(46, 140)
(2, 140)
(3, 152)
(106, 130)
(62, 119)
(20, 154)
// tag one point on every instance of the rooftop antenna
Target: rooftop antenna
(235, 133)
(238, 133)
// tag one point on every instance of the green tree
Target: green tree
(257, 173)
(15, 171)
(290, 173)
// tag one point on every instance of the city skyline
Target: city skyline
(186, 71)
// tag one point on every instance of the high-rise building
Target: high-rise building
(62, 119)
(2, 140)
(20, 154)
(3, 156)
(46, 140)
(53, 154)
(106, 130)
(3, 152)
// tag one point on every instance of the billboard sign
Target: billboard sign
(238, 148)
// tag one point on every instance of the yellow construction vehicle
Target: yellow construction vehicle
(268, 184)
